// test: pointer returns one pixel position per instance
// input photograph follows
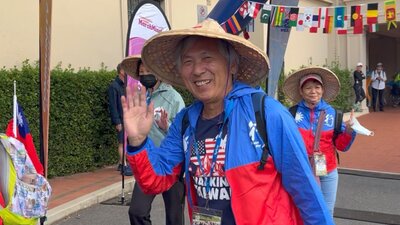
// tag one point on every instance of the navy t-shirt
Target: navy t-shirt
(220, 191)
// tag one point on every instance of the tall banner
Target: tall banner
(277, 43)
(44, 63)
(148, 19)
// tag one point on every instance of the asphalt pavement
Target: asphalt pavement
(361, 200)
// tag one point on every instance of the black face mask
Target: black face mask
(148, 80)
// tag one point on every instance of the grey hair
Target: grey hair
(225, 48)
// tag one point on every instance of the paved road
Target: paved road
(376, 200)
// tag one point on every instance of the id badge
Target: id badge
(320, 164)
(206, 216)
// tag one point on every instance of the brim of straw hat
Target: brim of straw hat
(331, 83)
(130, 63)
(159, 54)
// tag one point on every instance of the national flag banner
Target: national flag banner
(254, 8)
(339, 16)
(390, 13)
(266, 13)
(308, 17)
(300, 22)
(328, 25)
(343, 30)
(323, 14)
(373, 27)
(279, 16)
(293, 16)
(24, 135)
(355, 14)
(315, 24)
(358, 26)
(244, 9)
(234, 24)
(372, 13)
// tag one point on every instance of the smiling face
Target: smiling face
(204, 70)
(312, 92)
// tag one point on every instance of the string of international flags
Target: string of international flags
(312, 18)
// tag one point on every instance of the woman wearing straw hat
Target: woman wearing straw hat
(220, 148)
(168, 103)
(312, 88)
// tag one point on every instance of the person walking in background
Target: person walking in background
(167, 102)
(358, 76)
(312, 88)
(115, 91)
(231, 176)
(378, 79)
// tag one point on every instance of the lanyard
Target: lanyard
(148, 96)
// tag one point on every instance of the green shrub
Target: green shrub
(81, 137)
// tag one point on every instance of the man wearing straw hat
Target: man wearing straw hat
(220, 148)
(168, 103)
(311, 89)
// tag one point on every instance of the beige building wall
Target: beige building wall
(305, 48)
(84, 33)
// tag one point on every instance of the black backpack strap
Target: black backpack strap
(258, 105)
(338, 129)
(293, 110)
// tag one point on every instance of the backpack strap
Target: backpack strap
(259, 110)
(338, 129)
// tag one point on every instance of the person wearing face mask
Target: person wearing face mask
(167, 103)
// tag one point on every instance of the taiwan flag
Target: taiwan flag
(23, 135)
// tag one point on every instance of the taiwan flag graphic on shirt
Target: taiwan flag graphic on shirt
(24, 136)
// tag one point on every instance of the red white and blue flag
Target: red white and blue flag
(23, 134)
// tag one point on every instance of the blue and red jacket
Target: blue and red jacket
(307, 121)
(285, 192)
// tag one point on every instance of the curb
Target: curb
(58, 213)
(369, 173)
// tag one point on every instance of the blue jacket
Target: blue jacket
(285, 192)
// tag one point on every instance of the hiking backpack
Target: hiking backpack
(338, 124)
(258, 99)
(26, 193)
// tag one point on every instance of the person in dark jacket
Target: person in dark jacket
(358, 84)
(115, 91)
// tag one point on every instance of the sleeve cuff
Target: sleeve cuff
(134, 149)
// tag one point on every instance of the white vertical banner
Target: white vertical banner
(202, 13)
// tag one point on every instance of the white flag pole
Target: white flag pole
(15, 110)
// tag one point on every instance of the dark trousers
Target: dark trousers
(359, 92)
(139, 210)
(377, 93)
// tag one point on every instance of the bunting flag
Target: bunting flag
(266, 14)
(279, 16)
(234, 24)
(244, 9)
(315, 24)
(339, 16)
(343, 30)
(254, 8)
(300, 22)
(308, 16)
(323, 15)
(328, 25)
(356, 19)
(293, 16)
(372, 17)
(390, 13)
(284, 16)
